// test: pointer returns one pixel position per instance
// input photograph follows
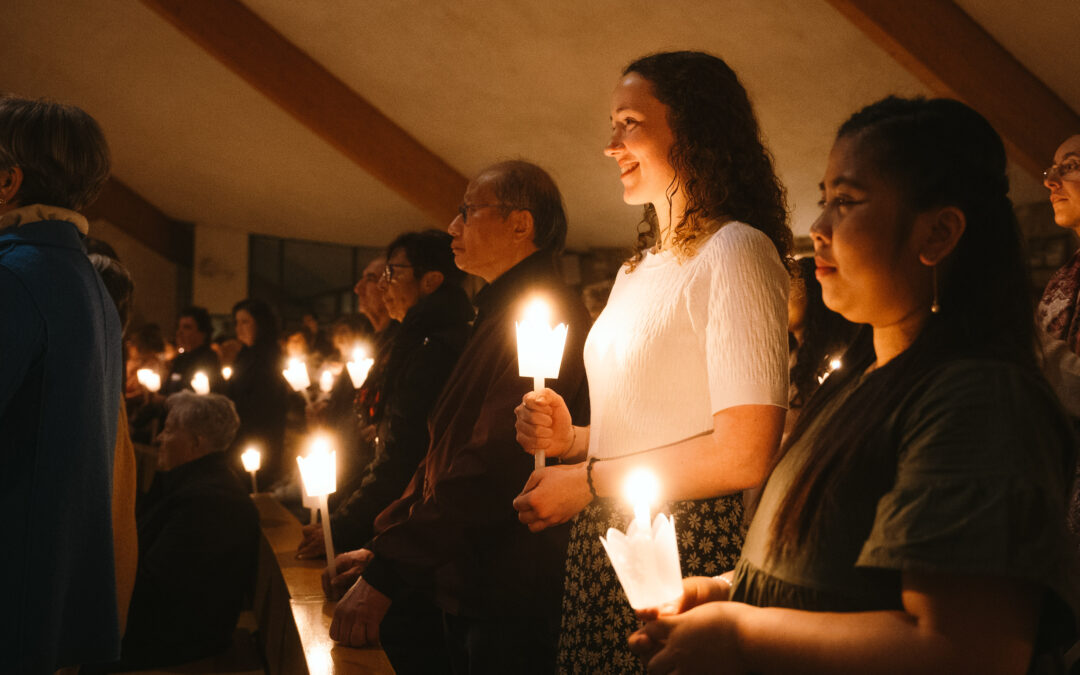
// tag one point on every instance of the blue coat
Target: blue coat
(60, 373)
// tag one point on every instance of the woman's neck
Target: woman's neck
(669, 212)
(893, 339)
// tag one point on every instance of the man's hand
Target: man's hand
(544, 424)
(358, 615)
(311, 545)
(347, 569)
(553, 495)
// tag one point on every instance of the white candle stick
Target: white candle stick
(540, 350)
(252, 459)
(646, 558)
(319, 473)
(297, 375)
(200, 383)
(359, 367)
(149, 379)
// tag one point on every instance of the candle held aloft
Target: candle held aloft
(359, 366)
(252, 460)
(540, 350)
(149, 379)
(200, 383)
(318, 471)
(297, 375)
(646, 558)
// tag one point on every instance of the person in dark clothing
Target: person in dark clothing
(454, 530)
(198, 541)
(259, 390)
(422, 290)
(61, 373)
(193, 330)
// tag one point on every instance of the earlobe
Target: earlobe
(943, 233)
(522, 222)
(431, 281)
(10, 182)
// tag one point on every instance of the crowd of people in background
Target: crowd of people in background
(870, 455)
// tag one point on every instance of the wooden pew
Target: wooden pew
(291, 610)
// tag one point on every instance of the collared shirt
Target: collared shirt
(455, 530)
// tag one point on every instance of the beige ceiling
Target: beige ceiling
(473, 80)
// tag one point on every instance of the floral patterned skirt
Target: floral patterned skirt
(596, 617)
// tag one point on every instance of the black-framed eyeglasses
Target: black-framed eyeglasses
(465, 209)
(1066, 170)
(388, 271)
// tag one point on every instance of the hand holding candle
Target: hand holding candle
(252, 459)
(646, 558)
(540, 350)
(319, 474)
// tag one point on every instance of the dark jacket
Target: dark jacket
(427, 346)
(198, 547)
(201, 359)
(455, 528)
(60, 371)
(261, 395)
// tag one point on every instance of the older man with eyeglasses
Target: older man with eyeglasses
(454, 533)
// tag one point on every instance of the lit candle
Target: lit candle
(326, 381)
(149, 379)
(252, 459)
(834, 365)
(226, 372)
(318, 471)
(359, 367)
(297, 375)
(540, 350)
(200, 383)
(646, 558)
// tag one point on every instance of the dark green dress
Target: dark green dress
(968, 475)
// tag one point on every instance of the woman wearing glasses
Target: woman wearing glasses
(687, 364)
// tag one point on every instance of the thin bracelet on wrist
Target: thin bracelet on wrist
(588, 476)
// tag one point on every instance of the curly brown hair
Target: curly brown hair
(719, 159)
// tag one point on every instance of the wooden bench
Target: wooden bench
(292, 613)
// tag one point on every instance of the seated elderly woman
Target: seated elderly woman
(198, 540)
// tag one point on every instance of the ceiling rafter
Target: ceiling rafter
(127, 210)
(264, 58)
(955, 56)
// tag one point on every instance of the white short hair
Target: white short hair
(209, 416)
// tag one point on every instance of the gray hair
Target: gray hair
(523, 185)
(61, 150)
(211, 417)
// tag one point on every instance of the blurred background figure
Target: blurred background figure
(259, 390)
(422, 289)
(817, 336)
(193, 333)
(198, 541)
(317, 339)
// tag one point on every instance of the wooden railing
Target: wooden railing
(292, 613)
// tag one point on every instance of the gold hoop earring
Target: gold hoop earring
(935, 306)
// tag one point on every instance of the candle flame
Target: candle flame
(200, 383)
(251, 458)
(148, 378)
(540, 347)
(326, 381)
(226, 372)
(297, 374)
(319, 469)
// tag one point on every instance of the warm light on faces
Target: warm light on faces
(403, 291)
(188, 336)
(483, 245)
(641, 142)
(868, 269)
(245, 327)
(1065, 187)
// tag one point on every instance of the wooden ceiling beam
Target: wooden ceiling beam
(127, 210)
(955, 56)
(264, 58)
